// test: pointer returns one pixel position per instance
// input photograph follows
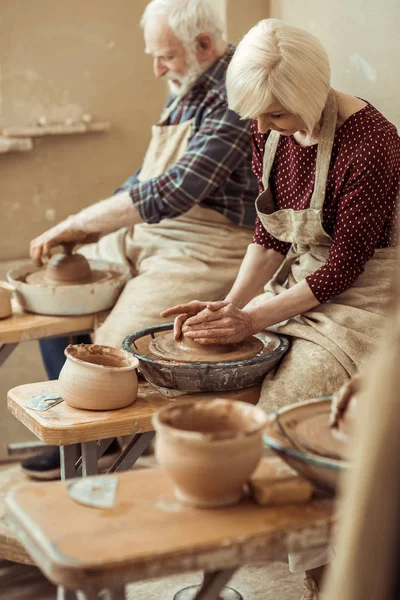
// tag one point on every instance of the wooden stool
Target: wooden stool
(149, 534)
(83, 435)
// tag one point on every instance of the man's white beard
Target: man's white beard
(185, 81)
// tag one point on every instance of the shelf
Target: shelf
(29, 131)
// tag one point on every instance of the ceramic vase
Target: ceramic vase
(98, 377)
(209, 449)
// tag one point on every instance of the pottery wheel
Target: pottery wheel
(39, 278)
(167, 348)
(316, 435)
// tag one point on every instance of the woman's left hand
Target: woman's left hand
(220, 323)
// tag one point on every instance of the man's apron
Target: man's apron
(331, 341)
(194, 256)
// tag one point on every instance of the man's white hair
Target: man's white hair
(276, 61)
(188, 19)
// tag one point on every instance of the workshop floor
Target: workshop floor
(256, 582)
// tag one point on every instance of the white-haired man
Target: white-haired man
(183, 221)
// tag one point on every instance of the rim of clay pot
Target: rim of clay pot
(76, 352)
(161, 420)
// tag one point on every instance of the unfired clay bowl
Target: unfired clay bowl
(209, 448)
(98, 377)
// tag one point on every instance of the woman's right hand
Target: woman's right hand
(185, 311)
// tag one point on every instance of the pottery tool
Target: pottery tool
(166, 364)
(97, 492)
(68, 284)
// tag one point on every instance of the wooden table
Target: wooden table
(84, 435)
(149, 534)
(25, 327)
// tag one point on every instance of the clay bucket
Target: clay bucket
(209, 449)
(98, 377)
(5, 299)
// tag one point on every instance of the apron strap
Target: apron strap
(269, 156)
(167, 111)
(324, 152)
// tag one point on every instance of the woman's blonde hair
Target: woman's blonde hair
(279, 62)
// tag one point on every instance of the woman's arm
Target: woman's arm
(295, 301)
(257, 268)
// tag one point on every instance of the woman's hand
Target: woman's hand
(219, 323)
(341, 399)
(65, 232)
(184, 312)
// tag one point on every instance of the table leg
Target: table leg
(212, 588)
(69, 456)
(5, 351)
(89, 458)
(132, 452)
(65, 594)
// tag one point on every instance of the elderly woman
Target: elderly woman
(328, 166)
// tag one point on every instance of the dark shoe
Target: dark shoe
(46, 466)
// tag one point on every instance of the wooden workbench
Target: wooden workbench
(149, 534)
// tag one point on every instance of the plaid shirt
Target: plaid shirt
(215, 171)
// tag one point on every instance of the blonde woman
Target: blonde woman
(328, 166)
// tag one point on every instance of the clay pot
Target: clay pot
(98, 377)
(67, 268)
(5, 299)
(209, 448)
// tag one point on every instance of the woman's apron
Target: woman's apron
(344, 329)
(194, 256)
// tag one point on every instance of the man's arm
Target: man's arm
(215, 150)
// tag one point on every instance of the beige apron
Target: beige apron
(194, 256)
(331, 341)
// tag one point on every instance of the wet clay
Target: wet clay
(64, 268)
(209, 448)
(187, 350)
(96, 377)
(315, 434)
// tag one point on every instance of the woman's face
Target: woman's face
(277, 118)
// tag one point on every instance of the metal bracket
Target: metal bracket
(43, 402)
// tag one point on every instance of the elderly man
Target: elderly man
(183, 221)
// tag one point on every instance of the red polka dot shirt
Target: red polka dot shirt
(363, 186)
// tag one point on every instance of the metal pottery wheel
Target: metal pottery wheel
(38, 296)
(280, 435)
(204, 377)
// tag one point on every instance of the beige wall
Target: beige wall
(362, 38)
(60, 60)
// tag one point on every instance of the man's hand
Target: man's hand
(67, 231)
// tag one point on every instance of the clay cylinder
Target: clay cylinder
(98, 377)
(68, 268)
(5, 299)
(209, 449)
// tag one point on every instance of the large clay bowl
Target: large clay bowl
(217, 377)
(209, 448)
(280, 435)
(98, 377)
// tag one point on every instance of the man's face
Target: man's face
(171, 59)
